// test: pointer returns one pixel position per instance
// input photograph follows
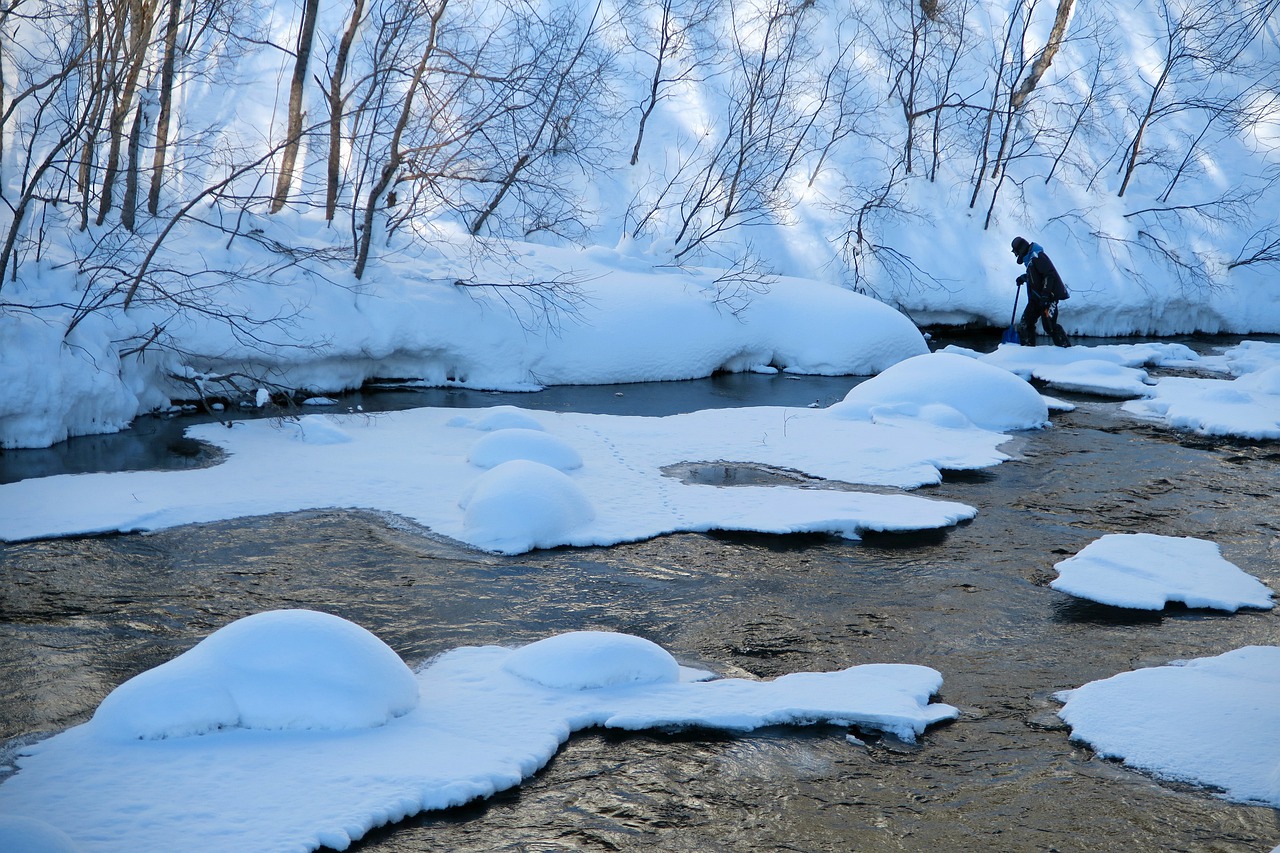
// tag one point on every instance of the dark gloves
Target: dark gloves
(1022, 279)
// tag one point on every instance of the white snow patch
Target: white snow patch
(1247, 406)
(1145, 571)
(1209, 721)
(414, 464)
(1096, 376)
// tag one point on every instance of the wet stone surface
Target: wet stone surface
(78, 616)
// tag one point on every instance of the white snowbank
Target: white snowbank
(415, 463)
(488, 718)
(632, 323)
(55, 388)
(287, 669)
(1210, 721)
(1145, 571)
(980, 394)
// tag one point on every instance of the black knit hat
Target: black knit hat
(1020, 247)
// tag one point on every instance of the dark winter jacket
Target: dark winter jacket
(1044, 285)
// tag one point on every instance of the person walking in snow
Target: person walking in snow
(1045, 290)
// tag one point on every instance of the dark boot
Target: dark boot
(1027, 335)
(1059, 336)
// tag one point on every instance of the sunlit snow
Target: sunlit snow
(948, 390)
(485, 718)
(1146, 571)
(1209, 721)
(1247, 406)
(1245, 402)
(508, 480)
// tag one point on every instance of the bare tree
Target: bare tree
(138, 20)
(47, 117)
(668, 33)
(1200, 42)
(395, 156)
(921, 45)
(738, 172)
(337, 100)
(1045, 57)
(165, 107)
(1000, 115)
(293, 136)
(542, 123)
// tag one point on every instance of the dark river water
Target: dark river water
(78, 616)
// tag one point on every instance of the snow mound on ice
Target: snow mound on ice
(499, 417)
(585, 660)
(990, 397)
(505, 445)
(282, 669)
(521, 505)
(318, 429)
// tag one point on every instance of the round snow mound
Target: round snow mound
(587, 660)
(317, 429)
(22, 834)
(989, 396)
(505, 445)
(505, 417)
(521, 505)
(283, 669)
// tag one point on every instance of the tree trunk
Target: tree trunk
(140, 14)
(166, 106)
(1045, 59)
(289, 156)
(334, 170)
(129, 205)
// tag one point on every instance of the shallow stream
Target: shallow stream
(78, 616)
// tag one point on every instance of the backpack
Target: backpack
(1057, 287)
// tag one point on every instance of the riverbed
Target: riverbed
(80, 615)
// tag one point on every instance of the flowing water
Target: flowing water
(80, 615)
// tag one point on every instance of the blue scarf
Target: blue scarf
(1031, 255)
